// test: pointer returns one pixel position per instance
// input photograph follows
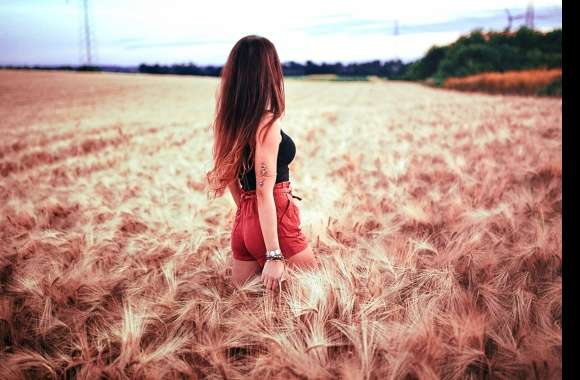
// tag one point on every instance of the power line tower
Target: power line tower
(530, 15)
(511, 18)
(86, 38)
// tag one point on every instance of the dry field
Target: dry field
(436, 217)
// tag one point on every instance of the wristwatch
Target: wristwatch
(275, 254)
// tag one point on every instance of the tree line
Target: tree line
(480, 52)
(387, 69)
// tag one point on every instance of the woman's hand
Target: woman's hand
(272, 273)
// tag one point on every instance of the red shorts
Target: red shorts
(247, 240)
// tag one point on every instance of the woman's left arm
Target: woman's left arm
(234, 187)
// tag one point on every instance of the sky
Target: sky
(130, 32)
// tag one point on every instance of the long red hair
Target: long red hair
(251, 84)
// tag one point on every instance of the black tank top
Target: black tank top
(286, 153)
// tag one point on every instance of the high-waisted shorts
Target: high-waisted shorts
(247, 240)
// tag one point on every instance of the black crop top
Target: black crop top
(286, 153)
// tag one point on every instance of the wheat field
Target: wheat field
(435, 216)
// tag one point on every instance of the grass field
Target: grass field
(435, 214)
(333, 78)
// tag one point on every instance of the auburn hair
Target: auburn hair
(251, 85)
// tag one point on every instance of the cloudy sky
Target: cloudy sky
(129, 32)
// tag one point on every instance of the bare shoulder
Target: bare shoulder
(270, 136)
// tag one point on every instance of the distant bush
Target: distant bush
(427, 66)
(88, 68)
(528, 82)
(553, 89)
(181, 69)
(470, 59)
(387, 69)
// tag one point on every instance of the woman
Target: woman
(251, 155)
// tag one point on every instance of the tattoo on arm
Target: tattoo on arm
(263, 173)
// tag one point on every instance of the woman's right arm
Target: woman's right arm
(265, 168)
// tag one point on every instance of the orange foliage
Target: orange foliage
(527, 82)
